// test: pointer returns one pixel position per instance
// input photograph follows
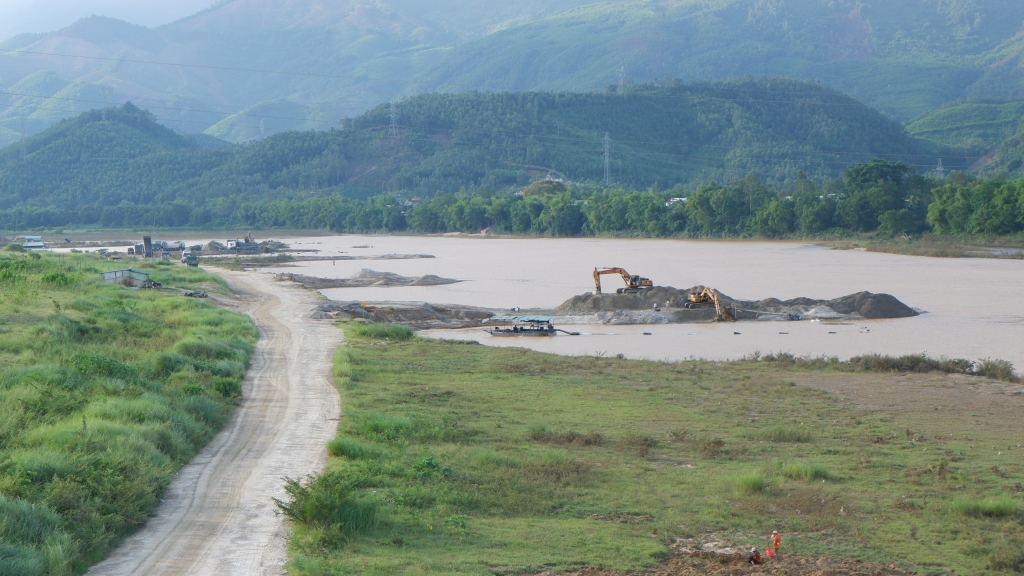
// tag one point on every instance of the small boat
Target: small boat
(523, 326)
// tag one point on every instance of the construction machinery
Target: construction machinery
(710, 295)
(634, 284)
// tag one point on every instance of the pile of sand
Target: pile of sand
(367, 278)
(860, 305)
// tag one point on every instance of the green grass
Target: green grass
(566, 462)
(750, 483)
(105, 392)
(384, 331)
(994, 507)
(806, 471)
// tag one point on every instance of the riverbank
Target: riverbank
(940, 246)
(455, 458)
(105, 392)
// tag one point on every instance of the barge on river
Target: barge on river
(523, 326)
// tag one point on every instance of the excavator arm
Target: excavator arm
(711, 295)
(633, 283)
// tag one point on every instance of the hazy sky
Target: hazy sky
(18, 16)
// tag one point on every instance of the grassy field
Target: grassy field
(455, 458)
(105, 392)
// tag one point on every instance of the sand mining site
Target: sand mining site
(657, 305)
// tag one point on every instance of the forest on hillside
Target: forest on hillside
(670, 136)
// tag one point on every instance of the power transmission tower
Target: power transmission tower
(940, 171)
(607, 161)
(108, 91)
(393, 129)
(622, 79)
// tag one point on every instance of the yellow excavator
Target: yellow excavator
(634, 284)
(710, 295)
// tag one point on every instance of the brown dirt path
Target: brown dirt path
(218, 517)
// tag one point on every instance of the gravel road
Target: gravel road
(218, 516)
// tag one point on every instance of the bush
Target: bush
(384, 331)
(997, 370)
(327, 502)
(353, 449)
(997, 507)
(59, 279)
(805, 471)
(751, 483)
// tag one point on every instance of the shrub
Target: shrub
(59, 279)
(384, 331)
(997, 507)
(327, 502)
(780, 434)
(639, 444)
(353, 449)
(750, 483)
(997, 370)
(805, 471)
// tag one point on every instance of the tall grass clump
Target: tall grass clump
(994, 507)
(353, 449)
(805, 471)
(781, 434)
(750, 483)
(379, 426)
(383, 331)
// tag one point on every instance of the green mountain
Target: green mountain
(342, 58)
(331, 50)
(677, 135)
(904, 58)
(980, 127)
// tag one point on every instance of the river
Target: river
(973, 308)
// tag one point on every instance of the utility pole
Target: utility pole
(607, 161)
(393, 129)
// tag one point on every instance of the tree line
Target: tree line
(881, 196)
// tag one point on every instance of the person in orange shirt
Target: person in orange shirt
(776, 542)
(755, 556)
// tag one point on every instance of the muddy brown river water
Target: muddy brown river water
(974, 308)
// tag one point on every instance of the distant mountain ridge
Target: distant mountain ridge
(679, 135)
(902, 58)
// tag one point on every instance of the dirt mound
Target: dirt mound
(712, 564)
(859, 305)
(366, 278)
(871, 305)
(418, 315)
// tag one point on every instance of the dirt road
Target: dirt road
(218, 516)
